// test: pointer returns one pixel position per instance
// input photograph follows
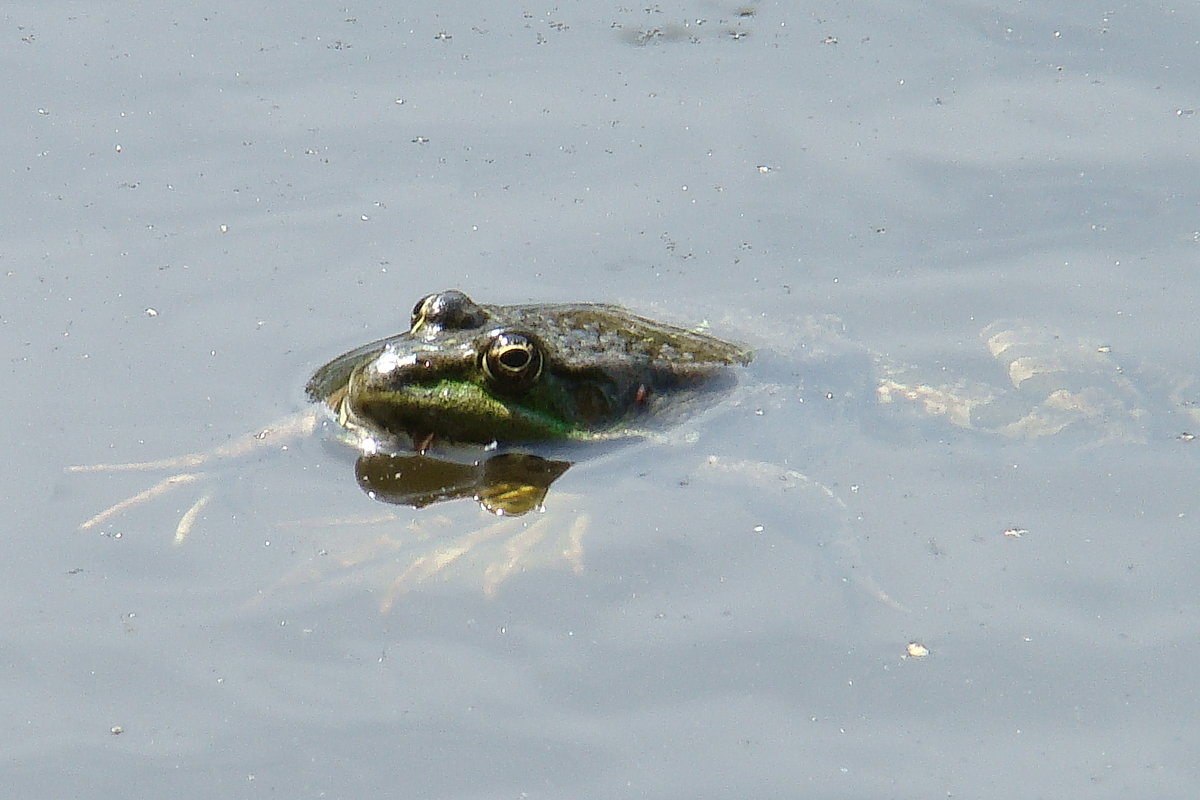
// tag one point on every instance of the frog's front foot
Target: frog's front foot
(186, 522)
(285, 431)
(488, 556)
(496, 554)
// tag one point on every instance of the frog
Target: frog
(469, 386)
(492, 402)
(466, 372)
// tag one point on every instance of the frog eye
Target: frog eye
(418, 312)
(448, 310)
(512, 361)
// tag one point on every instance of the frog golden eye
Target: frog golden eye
(512, 361)
(448, 310)
(418, 312)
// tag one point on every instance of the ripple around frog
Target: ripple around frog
(1053, 388)
(472, 372)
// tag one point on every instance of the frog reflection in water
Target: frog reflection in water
(484, 375)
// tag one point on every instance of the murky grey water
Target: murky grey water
(281, 184)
